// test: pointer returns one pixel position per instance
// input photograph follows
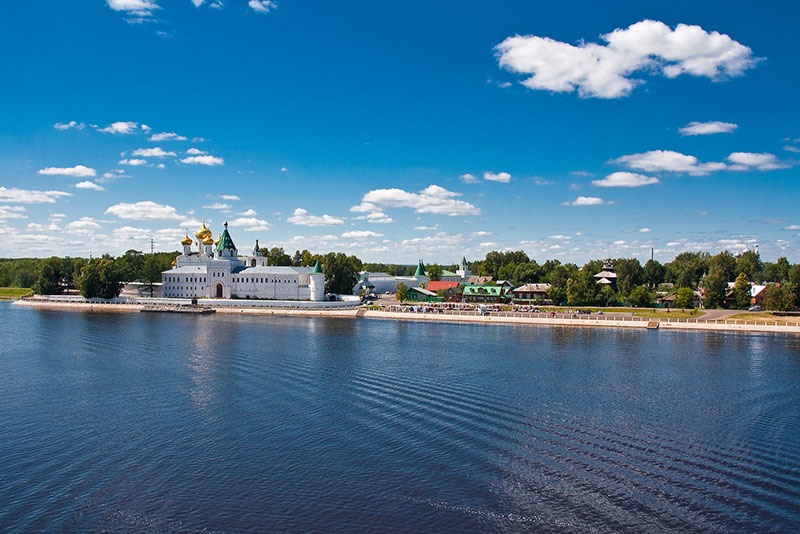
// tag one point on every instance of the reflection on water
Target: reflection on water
(228, 423)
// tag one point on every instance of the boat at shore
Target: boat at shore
(177, 308)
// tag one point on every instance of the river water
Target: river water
(173, 423)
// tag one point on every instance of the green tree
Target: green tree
(151, 272)
(715, 286)
(434, 271)
(687, 269)
(402, 292)
(684, 298)
(641, 297)
(653, 273)
(778, 271)
(780, 296)
(724, 264)
(630, 274)
(341, 272)
(558, 277)
(750, 264)
(276, 256)
(129, 265)
(49, 280)
(100, 278)
(741, 292)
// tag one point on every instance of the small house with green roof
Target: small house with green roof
(486, 294)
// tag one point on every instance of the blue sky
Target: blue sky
(400, 131)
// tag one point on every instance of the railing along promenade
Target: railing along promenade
(212, 303)
(610, 319)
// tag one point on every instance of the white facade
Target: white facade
(218, 272)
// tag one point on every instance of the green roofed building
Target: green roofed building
(486, 294)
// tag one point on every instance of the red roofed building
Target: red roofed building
(449, 290)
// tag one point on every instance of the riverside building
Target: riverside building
(211, 268)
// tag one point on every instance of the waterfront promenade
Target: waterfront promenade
(426, 313)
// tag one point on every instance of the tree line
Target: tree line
(636, 284)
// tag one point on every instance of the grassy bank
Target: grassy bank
(11, 293)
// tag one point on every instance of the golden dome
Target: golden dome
(186, 240)
(208, 240)
(203, 232)
(174, 263)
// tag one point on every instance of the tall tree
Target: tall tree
(724, 264)
(641, 297)
(687, 269)
(402, 292)
(684, 298)
(49, 280)
(715, 286)
(341, 272)
(630, 274)
(741, 292)
(653, 273)
(434, 271)
(100, 278)
(750, 264)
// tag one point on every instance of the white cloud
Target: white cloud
(361, 234)
(792, 227)
(432, 199)
(262, 6)
(439, 241)
(78, 171)
(625, 179)
(12, 212)
(603, 71)
(644, 230)
(142, 211)
(468, 178)
(133, 162)
(229, 197)
(502, 177)
(743, 161)
(69, 125)
(167, 136)
(249, 213)
(250, 224)
(707, 128)
(375, 217)
(284, 169)
(141, 8)
(89, 185)
(195, 152)
(481, 233)
(122, 128)
(217, 206)
(156, 152)
(113, 175)
(586, 201)
(84, 225)
(198, 3)
(669, 161)
(27, 196)
(301, 217)
(203, 160)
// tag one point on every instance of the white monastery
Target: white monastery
(215, 270)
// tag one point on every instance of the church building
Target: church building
(213, 269)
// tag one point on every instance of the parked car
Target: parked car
(754, 308)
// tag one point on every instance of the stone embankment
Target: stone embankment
(429, 314)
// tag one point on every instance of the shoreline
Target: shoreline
(462, 318)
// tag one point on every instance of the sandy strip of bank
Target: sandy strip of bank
(136, 308)
(79, 306)
(558, 321)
